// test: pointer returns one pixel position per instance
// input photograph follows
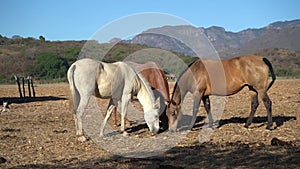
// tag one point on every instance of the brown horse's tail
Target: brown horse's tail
(268, 63)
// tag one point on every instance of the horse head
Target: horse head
(174, 113)
(152, 118)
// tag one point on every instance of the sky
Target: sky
(80, 19)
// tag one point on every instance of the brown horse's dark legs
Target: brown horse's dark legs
(197, 99)
(268, 105)
(115, 112)
(206, 103)
(254, 105)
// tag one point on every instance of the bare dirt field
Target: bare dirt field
(40, 133)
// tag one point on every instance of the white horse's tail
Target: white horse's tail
(74, 93)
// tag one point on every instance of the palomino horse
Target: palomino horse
(116, 81)
(153, 73)
(247, 70)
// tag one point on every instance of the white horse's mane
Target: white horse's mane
(146, 84)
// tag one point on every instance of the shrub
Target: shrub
(71, 54)
(50, 66)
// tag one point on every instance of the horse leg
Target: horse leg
(268, 104)
(125, 102)
(78, 118)
(115, 112)
(206, 103)
(197, 99)
(254, 105)
(76, 124)
(115, 116)
(108, 114)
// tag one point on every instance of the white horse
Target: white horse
(116, 81)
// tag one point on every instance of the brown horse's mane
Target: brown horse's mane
(179, 78)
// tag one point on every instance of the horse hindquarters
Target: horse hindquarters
(260, 88)
(82, 87)
(75, 100)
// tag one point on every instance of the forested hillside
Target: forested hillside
(36, 57)
(48, 61)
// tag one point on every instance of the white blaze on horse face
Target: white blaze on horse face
(174, 114)
(152, 120)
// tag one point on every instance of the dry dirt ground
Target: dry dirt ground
(40, 133)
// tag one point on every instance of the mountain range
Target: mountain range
(279, 42)
(282, 34)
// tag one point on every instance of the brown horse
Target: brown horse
(227, 77)
(153, 73)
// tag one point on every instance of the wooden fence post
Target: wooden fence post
(18, 83)
(23, 87)
(32, 86)
(28, 85)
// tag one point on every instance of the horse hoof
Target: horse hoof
(82, 139)
(269, 125)
(125, 134)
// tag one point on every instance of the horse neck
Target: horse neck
(177, 96)
(180, 89)
(145, 95)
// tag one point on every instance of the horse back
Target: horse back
(153, 73)
(114, 79)
(229, 76)
(246, 70)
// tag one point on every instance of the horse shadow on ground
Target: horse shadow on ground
(183, 124)
(278, 120)
(136, 128)
(20, 100)
(199, 123)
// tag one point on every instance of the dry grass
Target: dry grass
(41, 134)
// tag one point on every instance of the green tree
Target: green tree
(42, 38)
(50, 66)
(71, 54)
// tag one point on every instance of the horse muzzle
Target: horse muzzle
(173, 129)
(153, 133)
